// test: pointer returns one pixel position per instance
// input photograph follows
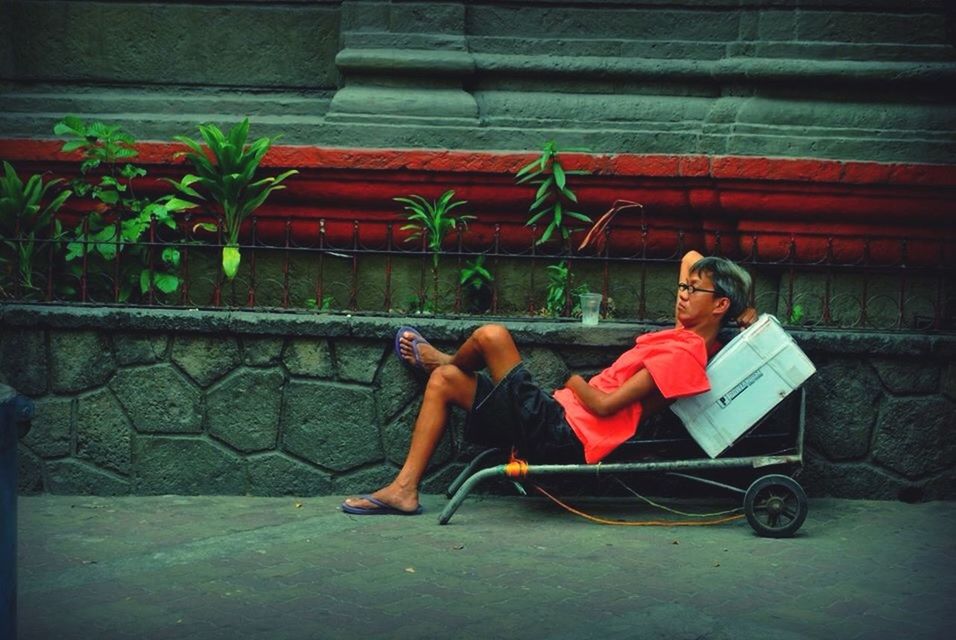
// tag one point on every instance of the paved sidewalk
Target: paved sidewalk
(236, 567)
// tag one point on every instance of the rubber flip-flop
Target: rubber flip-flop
(381, 509)
(416, 340)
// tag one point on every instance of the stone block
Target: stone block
(403, 102)
(29, 472)
(358, 360)
(776, 25)
(439, 480)
(560, 23)
(79, 360)
(185, 466)
(842, 401)
(331, 424)
(50, 435)
(243, 409)
(103, 431)
(162, 43)
(941, 487)
(260, 351)
(546, 367)
(139, 348)
(159, 399)
(75, 477)
(274, 474)
(397, 386)
(916, 436)
(364, 480)
(588, 359)
(365, 16)
(861, 27)
(848, 480)
(308, 357)
(205, 359)
(948, 381)
(397, 436)
(23, 361)
(427, 17)
(907, 377)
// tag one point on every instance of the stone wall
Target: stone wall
(168, 401)
(847, 79)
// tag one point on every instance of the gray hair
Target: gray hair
(730, 281)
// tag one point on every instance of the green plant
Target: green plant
(226, 173)
(433, 222)
(119, 220)
(328, 300)
(24, 219)
(554, 197)
(560, 290)
(796, 314)
(476, 280)
(417, 304)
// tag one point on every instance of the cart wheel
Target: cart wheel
(776, 506)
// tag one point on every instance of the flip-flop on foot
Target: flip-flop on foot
(416, 340)
(380, 509)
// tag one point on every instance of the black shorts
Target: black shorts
(518, 413)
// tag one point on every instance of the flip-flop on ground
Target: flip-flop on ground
(380, 509)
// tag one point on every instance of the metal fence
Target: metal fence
(334, 265)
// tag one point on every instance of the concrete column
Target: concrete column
(404, 62)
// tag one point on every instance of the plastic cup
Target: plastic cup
(590, 308)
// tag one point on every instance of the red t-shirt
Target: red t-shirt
(676, 360)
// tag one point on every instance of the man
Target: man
(584, 420)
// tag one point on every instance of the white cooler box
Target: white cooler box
(748, 378)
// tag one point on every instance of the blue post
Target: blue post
(15, 412)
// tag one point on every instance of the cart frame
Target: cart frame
(774, 496)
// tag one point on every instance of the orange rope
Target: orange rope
(644, 523)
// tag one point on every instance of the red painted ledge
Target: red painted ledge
(773, 197)
(508, 162)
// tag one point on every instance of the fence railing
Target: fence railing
(335, 265)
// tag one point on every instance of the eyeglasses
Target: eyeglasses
(691, 289)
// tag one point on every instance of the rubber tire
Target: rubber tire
(781, 484)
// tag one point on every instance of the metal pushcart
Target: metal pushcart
(774, 503)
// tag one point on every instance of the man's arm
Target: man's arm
(639, 387)
(747, 317)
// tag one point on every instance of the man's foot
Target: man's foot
(387, 501)
(417, 352)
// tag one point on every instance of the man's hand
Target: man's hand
(746, 318)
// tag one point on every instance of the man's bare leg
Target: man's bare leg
(447, 385)
(452, 382)
(488, 346)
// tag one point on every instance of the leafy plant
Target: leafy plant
(24, 219)
(433, 222)
(560, 291)
(328, 300)
(417, 304)
(476, 280)
(796, 314)
(119, 220)
(226, 176)
(554, 199)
